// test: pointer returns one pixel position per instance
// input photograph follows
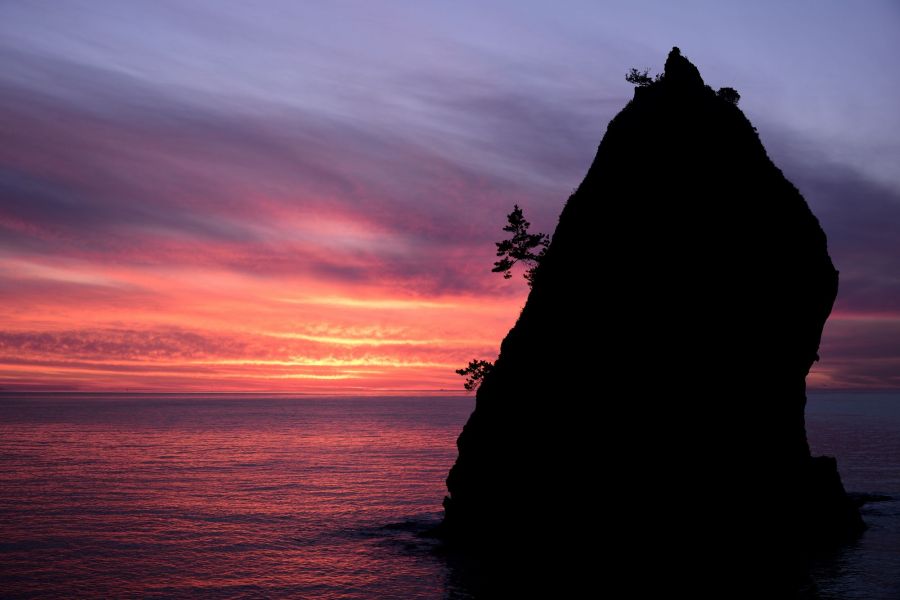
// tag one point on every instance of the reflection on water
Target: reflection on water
(221, 497)
(226, 497)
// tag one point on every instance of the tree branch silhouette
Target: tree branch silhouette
(525, 247)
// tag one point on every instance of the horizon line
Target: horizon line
(345, 392)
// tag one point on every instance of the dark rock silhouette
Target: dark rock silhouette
(649, 402)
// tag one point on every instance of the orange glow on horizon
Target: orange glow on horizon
(75, 324)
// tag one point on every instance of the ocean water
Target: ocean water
(171, 496)
(863, 432)
(223, 497)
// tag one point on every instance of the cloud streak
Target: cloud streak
(312, 202)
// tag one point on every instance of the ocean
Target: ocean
(249, 496)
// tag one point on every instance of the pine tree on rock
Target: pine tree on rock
(525, 247)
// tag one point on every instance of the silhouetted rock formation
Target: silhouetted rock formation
(650, 399)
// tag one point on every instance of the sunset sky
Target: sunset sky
(304, 196)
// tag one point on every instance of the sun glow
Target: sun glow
(76, 324)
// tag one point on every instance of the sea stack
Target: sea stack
(649, 402)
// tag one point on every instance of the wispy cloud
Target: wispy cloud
(214, 197)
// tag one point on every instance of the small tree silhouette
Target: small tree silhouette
(639, 78)
(475, 373)
(521, 247)
(730, 94)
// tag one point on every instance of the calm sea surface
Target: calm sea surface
(251, 497)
